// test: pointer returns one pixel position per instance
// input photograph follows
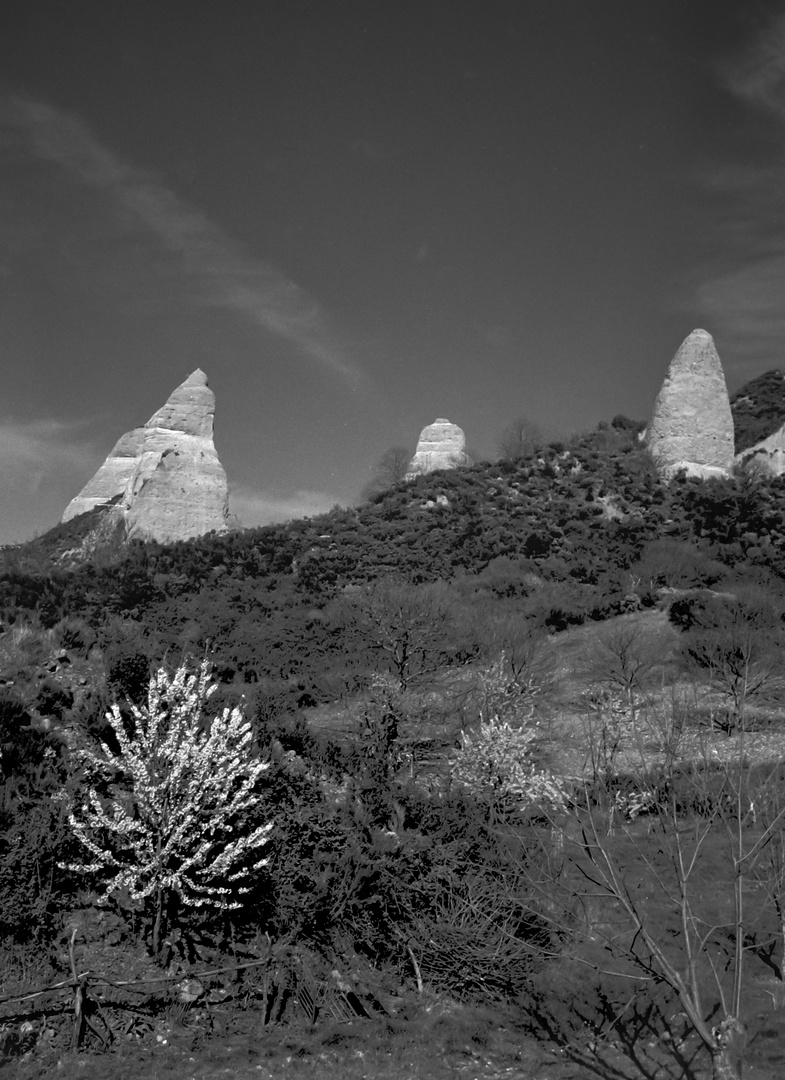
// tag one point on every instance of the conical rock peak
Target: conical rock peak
(164, 479)
(692, 427)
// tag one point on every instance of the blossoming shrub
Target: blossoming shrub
(172, 811)
(508, 691)
(496, 763)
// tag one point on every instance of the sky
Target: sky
(357, 216)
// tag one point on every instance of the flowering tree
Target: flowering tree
(184, 790)
(496, 763)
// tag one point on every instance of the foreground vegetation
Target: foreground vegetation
(483, 775)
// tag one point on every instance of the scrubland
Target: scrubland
(487, 785)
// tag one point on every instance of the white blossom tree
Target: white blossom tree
(496, 765)
(184, 790)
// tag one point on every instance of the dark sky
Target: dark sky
(359, 216)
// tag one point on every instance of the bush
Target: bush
(185, 823)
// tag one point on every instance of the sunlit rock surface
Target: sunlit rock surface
(175, 487)
(112, 478)
(758, 409)
(768, 455)
(441, 445)
(692, 427)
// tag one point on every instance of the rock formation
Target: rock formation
(767, 455)
(441, 445)
(173, 487)
(759, 418)
(758, 408)
(111, 479)
(692, 427)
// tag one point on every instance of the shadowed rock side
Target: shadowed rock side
(692, 427)
(441, 445)
(175, 487)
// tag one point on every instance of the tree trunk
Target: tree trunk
(727, 1052)
(723, 1065)
(159, 928)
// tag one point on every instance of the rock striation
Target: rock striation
(692, 427)
(164, 481)
(441, 445)
(111, 480)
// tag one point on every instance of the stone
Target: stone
(111, 479)
(768, 455)
(692, 427)
(175, 487)
(441, 445)
(189, 409)
(758, 409)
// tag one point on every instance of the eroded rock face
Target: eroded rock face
(111, 479)
(758, 409)
(692, 427)
(768, 455)
(441, 445)
(174, 487)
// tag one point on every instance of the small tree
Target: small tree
(669, 893)
(521, 438)
(738, 643)
(496, 765)
(406, 628)
(185, 789)
(623, 659)
(389, 470)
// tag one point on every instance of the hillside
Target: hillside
(572, 533)
(431, 695)
(758, 409)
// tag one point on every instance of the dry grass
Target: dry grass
(432, 1040)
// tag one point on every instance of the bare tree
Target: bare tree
(389, 470)
(738, 644)
(624, 658)
(521, 438)
(408, 628)
(639, 878)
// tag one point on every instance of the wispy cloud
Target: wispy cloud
(740, 293)
(44, 464)
(33, 451)
(266, 508)
(228, 277)
(758, 76)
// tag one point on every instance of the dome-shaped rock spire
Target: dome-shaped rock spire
(441, 445)
(692, 427)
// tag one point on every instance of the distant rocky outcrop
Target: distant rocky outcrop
(691, 427)
(441, 445)
(768, 455)
(164, 481)
(758, 410)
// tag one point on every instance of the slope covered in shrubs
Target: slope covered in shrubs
(390, 660)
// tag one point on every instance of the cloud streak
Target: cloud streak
(740, 292)
(32, 451)
(228, 277)
(42, 459)
(758, 77)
